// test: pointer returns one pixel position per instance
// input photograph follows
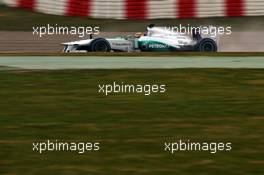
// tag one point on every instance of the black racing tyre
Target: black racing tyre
(100, 45)
(144, 47)
(206, 45)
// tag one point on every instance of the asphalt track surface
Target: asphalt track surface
(100, 62)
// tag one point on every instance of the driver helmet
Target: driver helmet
(138, 35)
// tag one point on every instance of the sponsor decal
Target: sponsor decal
(158, 46)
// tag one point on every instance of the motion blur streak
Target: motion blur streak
(144, 9)
(78, 8)
(235, 7)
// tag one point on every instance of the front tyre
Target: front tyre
(206, 45)
(100, 45)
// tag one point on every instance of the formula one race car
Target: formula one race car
(156, 39)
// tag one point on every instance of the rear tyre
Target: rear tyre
(206, 45)
(100, 45)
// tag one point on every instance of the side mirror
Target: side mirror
(151, 25)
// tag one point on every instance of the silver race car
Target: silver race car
(156, 39)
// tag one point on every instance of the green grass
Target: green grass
(14, 19)
(200, 104)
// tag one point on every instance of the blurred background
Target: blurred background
(212, 105)
(117, 17)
